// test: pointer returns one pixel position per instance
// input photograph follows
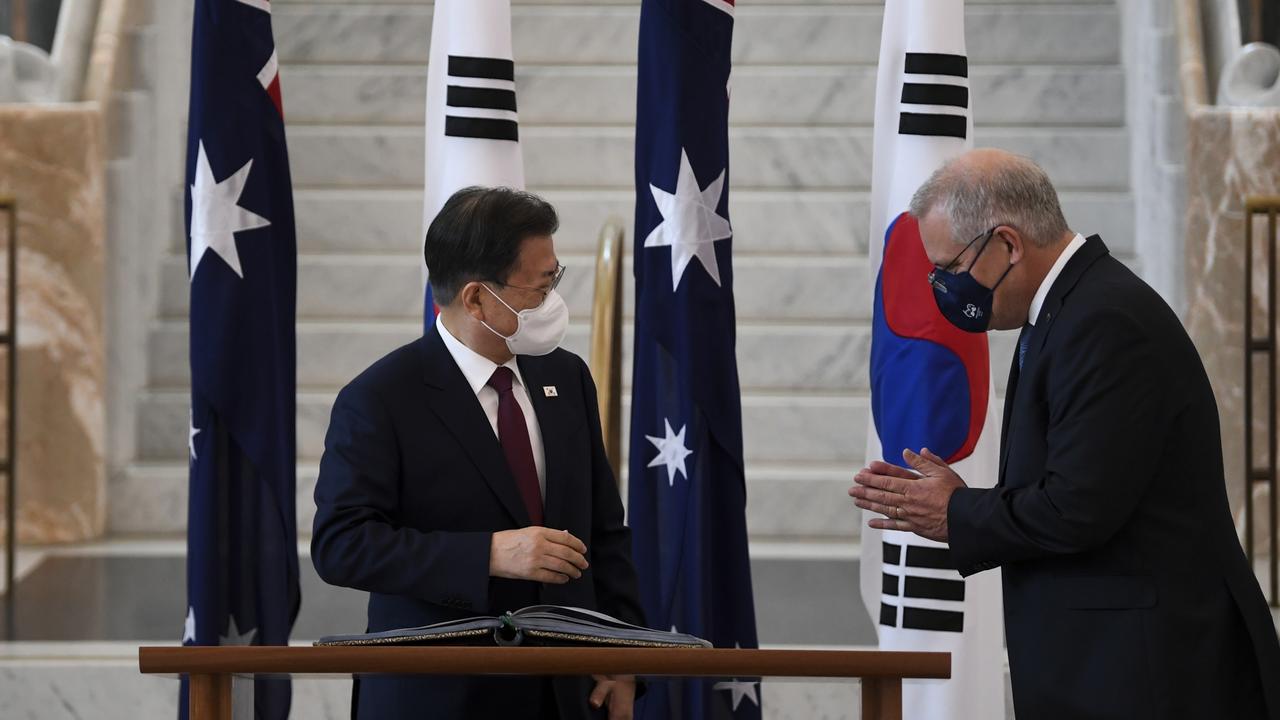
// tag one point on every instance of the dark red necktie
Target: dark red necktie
(513, 435)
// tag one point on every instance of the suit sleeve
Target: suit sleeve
(610, 544)
(355, 541)
(1108, 416)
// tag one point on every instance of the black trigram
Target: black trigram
(926, 92)
(907, 587)
(497, 94)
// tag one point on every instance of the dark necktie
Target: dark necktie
(1022, 344)
(513, 435)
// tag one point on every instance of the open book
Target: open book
(534, 625)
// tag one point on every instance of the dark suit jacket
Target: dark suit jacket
(1126, 592)
(413, 484)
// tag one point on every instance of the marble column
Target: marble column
(51, 163)
(1233, 154)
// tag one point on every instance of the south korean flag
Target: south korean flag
(930, 382)
(472, 129)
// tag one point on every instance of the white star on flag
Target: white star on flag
(690, 225)
(192, 432)
(671, 452)
(216, 216)
(189, 627)
(739, 690)
(234, 636)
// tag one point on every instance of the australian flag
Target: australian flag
(687, 493)
(242, 559)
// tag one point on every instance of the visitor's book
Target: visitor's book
(534, 625)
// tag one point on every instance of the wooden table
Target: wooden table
(211, 668)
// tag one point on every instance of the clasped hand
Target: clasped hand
(537, 553)
(910, 501)
(556, 556)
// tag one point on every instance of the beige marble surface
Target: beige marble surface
(1233, 154)
(51, 162)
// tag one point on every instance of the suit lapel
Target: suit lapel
(548, 411)
(459, 410)
(1089, 253)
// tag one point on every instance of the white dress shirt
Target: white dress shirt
(1046, 285)
(477, 369)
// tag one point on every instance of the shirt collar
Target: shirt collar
(476, 368)
(1046, 285)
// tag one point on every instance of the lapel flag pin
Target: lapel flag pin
(550, 391)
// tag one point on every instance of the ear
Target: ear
(470, 299)
(1016, 242)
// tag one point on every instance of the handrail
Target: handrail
(1264, 347)
(606, 339)
(211, 668)
(9, 340)
(105, 56)
(1255, 21)
(1191, 69)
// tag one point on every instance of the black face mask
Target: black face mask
(962, 300)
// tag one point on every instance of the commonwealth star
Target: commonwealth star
(690, 225)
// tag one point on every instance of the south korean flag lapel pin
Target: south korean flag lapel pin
(550, 391)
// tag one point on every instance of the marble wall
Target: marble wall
(1233, 154)
(51, 162)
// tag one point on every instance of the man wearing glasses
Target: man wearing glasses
(464, 474)
(1126, 592)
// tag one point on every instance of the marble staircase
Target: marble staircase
(1047, 82)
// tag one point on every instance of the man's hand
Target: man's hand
(618, 692)
(537, 553)
(911, 501)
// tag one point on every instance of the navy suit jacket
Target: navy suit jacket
(413, 484)
(1126, 592)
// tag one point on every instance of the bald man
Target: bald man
(1126, 593)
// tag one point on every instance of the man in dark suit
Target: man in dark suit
(1126, 592)
(464, 474)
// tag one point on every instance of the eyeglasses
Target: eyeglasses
(985, 237)
(544, 291)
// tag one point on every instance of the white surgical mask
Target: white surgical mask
(539, 330)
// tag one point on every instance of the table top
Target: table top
(684, 662)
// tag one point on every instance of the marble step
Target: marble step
(771, 358)
(783, 503)
(382, 288)
(785, 222)
(777, 428)
(389, 287)
(781, 95)
(1076, 158)
(1036, 33)
(817, 358)
(765, 222)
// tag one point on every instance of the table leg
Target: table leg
(210, 697)
(881, 699)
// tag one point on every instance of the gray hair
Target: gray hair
(1015, 191)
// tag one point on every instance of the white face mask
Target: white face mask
(539, 330)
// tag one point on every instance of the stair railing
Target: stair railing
(1261, 348)
(606, 339)
(9, 464)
